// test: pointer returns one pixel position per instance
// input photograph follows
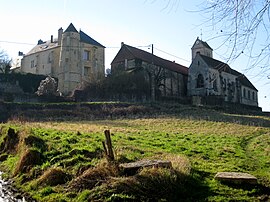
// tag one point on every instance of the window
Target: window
(198, 63)
(248, 94)
(87, 71)
(253, 95)
(244, 92)
(200, 81)
(215, 85)
(86, 55)
(32, 63)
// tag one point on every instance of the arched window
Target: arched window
(200, 81)
(215, 85)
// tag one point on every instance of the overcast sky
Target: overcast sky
(172, 28)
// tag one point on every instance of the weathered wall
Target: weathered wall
(95, 63)
(45, 62)
(248, 96)
(197, 67)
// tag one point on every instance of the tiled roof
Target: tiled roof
(87, 39)
(43, 46)
(71, 28)
(129, 52)
(221, 66)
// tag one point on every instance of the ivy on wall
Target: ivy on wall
(29, 83)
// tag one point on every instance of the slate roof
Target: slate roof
(87, 39)
(221, 66)
(129, 52)
(43, 46)
(71, 28)
(48, 44)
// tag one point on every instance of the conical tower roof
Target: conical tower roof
(71, 28)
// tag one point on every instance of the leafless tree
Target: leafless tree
(5, 62)
(243, 26)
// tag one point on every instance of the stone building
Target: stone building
(211, 77)
(74, 58)
(166, 79)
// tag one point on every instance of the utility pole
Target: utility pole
(153, 88)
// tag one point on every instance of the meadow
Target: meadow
(59, 156)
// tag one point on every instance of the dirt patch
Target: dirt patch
(29, 159)
(10, 141)
(53, 177)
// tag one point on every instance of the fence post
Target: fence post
(108, 149)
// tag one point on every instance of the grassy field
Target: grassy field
(61, 159)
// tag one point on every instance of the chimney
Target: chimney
(122, 43)
(51, 38)
(60, 32)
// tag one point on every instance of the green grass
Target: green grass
(211, 142)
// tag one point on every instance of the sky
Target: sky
(172, 26)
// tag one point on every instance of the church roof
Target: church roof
(129, 52)
(71, 28)
(221, 66)
(87, 39)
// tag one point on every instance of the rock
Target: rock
(132, 168)
(236, 177)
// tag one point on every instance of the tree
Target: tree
(244, 26)
(5, 63)
(48, 87)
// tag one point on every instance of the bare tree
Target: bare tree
(244, 27)
(5, 63)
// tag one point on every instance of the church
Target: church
(210, 77)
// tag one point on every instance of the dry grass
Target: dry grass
(94, 177)
(53, 177)
(180, 163)
(29, 158)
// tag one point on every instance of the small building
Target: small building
(166, 79)
(74, 58)
(210, 77)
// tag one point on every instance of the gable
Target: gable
(200, 42)
(129, 52)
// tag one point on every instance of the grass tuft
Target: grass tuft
(53, 177)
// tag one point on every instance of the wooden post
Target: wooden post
(109, 149)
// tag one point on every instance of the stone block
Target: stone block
(236, 177)
(132, 168)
